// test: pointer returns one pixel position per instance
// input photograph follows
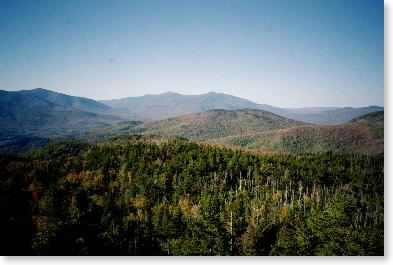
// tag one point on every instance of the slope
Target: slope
(364, 134)
(25, 114)
(79, 103)
(218, 123)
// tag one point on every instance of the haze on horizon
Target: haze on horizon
(278, 52)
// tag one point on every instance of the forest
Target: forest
(155, 196)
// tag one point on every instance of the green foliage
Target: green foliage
(330, 232)
(152, 196)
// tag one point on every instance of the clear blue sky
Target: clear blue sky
(290, 53)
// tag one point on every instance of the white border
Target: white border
(268, 260)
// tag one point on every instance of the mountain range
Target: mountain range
(170, 104)
(213, 118)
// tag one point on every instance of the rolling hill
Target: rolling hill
(170, 104)
(364, 134)
(260, 130)
(218, 123)
(201, 126)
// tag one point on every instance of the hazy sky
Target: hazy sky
(290, 53)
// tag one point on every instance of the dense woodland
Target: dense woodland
(131, 196)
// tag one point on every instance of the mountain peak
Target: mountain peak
(170, 93)
(39, 89)
(213, 93)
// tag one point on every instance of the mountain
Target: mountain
(37, 112)
(79, 103)
(45, 113)
(168, 105)
(331, 115)
(364, 134)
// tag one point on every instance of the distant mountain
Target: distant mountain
(79, 103)
(36, 113)
(331, 116)
(213, 117)
(364, 134)
(170, 104)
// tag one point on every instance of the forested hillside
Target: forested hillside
(218, 123)
(260, 130)
(169, 197)
(364, 134)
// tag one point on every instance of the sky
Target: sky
(287, 53)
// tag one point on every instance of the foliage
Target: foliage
(133, 196)
(362, 135)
